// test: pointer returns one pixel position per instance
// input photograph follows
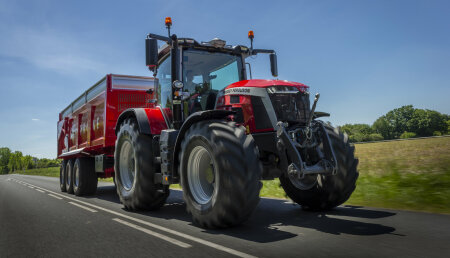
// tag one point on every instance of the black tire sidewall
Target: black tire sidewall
(144, 193)
(77, 190)
(62, 176)
(207, 207)
(87, 183)
(237, 172)
(69, 176)
(121, 138)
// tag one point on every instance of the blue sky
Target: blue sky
(364, 57)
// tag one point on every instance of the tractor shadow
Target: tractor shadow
(275, 220)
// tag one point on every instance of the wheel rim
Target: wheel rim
(76, 176)
(127, 165)
(201, 175)
(305, 183)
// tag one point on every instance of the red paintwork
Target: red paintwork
(92, 126)
(266, 83)
(156, 120)
(246, 104)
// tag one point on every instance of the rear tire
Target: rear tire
(84, 177)
(69, 176)
(329, 191)
(62, 176)
(135, 169)
(220, 172)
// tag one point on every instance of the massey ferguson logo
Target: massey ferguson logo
(237, 90)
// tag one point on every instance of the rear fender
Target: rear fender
(150, 120)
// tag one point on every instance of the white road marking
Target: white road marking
(83, 207)
(54, 196)
(153, 233)
(31, 187)
(186, 236)
(39, 190)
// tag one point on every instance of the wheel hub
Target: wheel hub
(305, 183)
(201, 175)
(127, 165)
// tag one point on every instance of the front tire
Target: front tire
(220, 172)
(84, 177)
(135, 169)
(332, 190)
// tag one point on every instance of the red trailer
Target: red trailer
(86, 128)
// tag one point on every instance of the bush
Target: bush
(376, 137)
(407, 135)
(437, 133)
(356, 137)
(4, 170)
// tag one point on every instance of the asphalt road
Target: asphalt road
(37, 220)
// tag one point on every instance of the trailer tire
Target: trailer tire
(69, 176)
(62, 176)
(220, 173)
(332, 190)
(135, 169)
(84, 177)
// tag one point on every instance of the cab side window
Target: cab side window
(165, 83)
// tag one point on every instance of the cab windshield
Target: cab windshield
(205, 73)
(213, 70)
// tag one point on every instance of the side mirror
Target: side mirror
(151, 53)
(273, 64)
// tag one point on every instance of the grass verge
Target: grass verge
(52, 172)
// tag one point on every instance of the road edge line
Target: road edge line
(183, 235)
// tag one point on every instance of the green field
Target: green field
(411, 175)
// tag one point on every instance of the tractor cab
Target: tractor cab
(205, 69)
(191, 74)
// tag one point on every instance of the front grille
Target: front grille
(290, 106)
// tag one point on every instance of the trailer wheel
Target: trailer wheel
(62, 176)
(69, 176)
(84, 177)
(135, 169)
(220, 173)
(329, 191)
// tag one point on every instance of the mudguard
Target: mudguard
(150, 120)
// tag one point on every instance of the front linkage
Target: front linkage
(289, 143)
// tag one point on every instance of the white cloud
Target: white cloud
(35, 119)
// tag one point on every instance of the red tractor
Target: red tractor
(217, 133)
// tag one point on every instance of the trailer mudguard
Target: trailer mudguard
(194, 118)
(150, 120)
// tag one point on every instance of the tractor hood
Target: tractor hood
(258, 83)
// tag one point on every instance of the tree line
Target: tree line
(15, 161)
(403, 122)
